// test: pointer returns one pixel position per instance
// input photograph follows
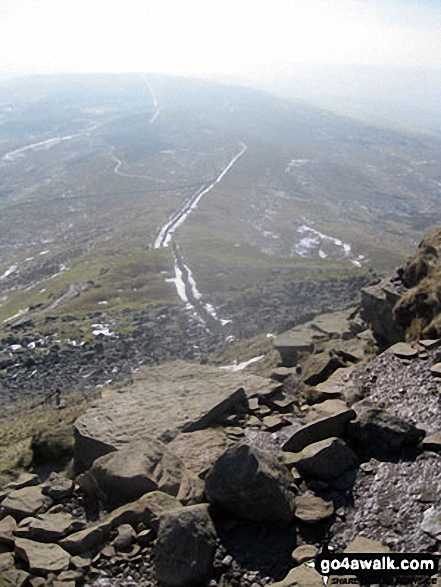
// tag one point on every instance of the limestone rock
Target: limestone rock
(146, 510)
(191, 490)
(200, 449)
(24, 502)
(42, 558)
(312, 509)
(325, 421)
(304, 553)
(432, 442)
(163, 401)
(377, 303)
(338, 386)
(126, 536)
(404, 350)
(251, 483)
(326, 459)
(436, 370)
(7, 527)
(292, 343)
(431, 523)
(185, 547)
(300, 577)
(86, 540)
(49, 527)
(23, 480)
(58, 487)
(377, 433)
(137, 468)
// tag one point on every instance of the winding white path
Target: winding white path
(167, 231)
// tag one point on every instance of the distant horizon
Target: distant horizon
(211, 37)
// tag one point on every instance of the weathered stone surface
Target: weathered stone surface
(42, 558)
(185, 547)
(362, 545)
(49, 527)
(403, 350)
(430, 343)
(334, 324)
(7, 527)
(312, 509)
(432, 442)
(191, 490)
(146, 509)
(300, 577)
(251, 483)
(318, 367)
(304, 553)
(431, 523)
(436, 370)
(377, 433)
(137, 468)
(292, 343)
(200, 449)
(126, 536)
(338, 386)
(324, 421)
(87, 539)
(377, 310)
(326, 459)
(24, 502)
(159, 406)
(24, 480)
(13, 577)
(58, 487)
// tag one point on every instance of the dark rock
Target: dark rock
(251, 483)
(377, 433)
(185, 547)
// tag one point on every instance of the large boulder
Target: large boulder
(251, 483)
(163, 401)
(378, 434)
(326, 459)
(185, 547)
(137, 468)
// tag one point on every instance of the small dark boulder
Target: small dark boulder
(251, 483)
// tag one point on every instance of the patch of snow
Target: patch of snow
(45, 252)
(17, 315)
(239, 367)
(8, 272)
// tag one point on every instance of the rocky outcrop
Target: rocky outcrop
(377, 305)
(155, 406)
(251, 483)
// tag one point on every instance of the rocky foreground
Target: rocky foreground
(197, 475)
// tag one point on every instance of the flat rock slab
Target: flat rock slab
(200, 449)
(42, 558)
(49, 527)
(403, 350)
(162, 402)
(361, 545)
(25, 502)
(7, 527)
(436, 370)
(312, 509)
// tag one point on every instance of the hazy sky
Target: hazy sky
(214, 36)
